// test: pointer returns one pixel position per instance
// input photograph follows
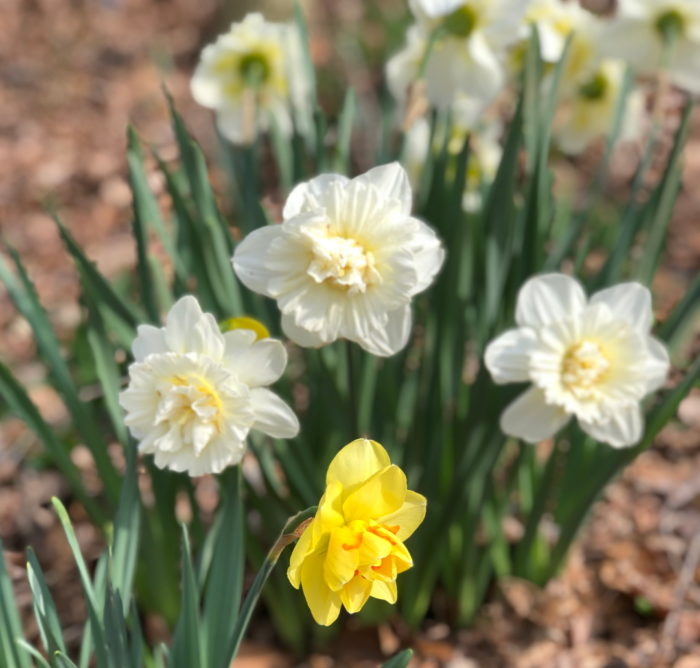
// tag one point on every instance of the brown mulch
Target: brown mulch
(73, 73)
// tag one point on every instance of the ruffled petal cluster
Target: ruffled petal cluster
(252, 75)
(354, 548)
(593, 359)
(346, 261)
(194, 392)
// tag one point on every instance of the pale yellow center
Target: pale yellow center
(584, 366)
(191, 398)
(343, 263)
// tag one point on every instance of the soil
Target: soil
(74, 72)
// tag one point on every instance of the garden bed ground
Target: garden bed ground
(73, 73)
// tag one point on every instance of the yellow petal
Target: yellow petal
(382, 494)
(408, 517)
(357, 462)
(330, 511)
(386, 591)
(355, 593)
(373, 549)
(245, 322)
(323, 603)
(301, 550)
(342, 558)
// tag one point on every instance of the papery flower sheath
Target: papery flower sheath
(251, 76)
(593, 359)
(346, 261)
(654, 34)
(354, 548)
(194, 392)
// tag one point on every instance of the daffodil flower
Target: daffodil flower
(594, 360)
(462, 49)
(194, 392)
(346, 261)
(251, 76)
(651, 34)
(354, 548)
(589, 111)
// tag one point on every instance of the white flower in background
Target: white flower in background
(435, 8)
(251, 74)
(589, 112)
(465, 65)
(650, 34)
(484, 154)
(591, 359)
(346, 261)
(195, 393)
(556, 21)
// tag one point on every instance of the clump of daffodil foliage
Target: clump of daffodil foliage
(394, 297)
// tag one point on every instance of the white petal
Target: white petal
(428, 255)
(254, 363)
(249, 258)
(390, 338)
(231, 122)
(530, 418)
(392, 181)
(657, 365)
(548, 298)
(435, 8)
(623, 429)
(630, 302)
(272, 416)
(310, 195)
(302, 337)
(508, 357)
(189, 330)
(205, 85)
(149, 340)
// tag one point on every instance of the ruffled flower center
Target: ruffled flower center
(342, 263)
(378, 554)
(583, 367)
(190, 406)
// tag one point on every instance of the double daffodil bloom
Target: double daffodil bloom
(594, 359)
(354, 547)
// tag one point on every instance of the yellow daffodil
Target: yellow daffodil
(354, 547)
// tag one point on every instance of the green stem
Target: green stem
(352, 388)
(292, 530)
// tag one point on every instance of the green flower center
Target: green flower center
(670, 24)
(595, 88)
(461, 22)
(254, 68)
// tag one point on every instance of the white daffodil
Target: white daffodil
(591, 359)
(252, 75)
(590, 111)
(556, 22)
(651, 34)
(346, 261)
(195, 393)
(465, 50)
